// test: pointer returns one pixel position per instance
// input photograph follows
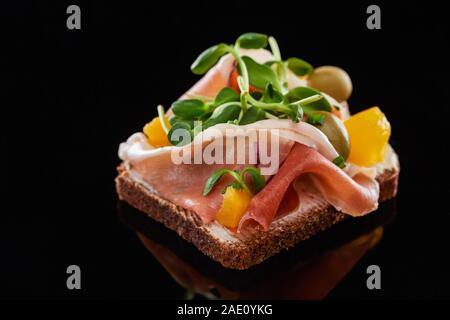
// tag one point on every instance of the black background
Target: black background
(71, 96)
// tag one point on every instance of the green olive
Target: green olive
(333, 81)
(336, 132)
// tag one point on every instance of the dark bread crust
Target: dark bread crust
(251, 249)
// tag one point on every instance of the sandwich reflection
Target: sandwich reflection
(310, 270)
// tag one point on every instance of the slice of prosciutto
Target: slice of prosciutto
(355, 195)
(183, 183)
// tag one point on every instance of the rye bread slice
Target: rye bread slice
(231, 250)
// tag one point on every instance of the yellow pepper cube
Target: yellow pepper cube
(155, 133)
(369, 133)
(234, 205)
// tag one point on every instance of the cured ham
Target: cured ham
(355, 196)
(183, 183)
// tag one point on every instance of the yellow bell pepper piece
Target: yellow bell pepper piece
(155, 133)
(234, 205)
(369, 133)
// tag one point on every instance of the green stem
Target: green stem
(275, 49)
(235, 53)
(243, 101)
(241, 181)
(199, 97)
(268, 106)
(308, 100)
(271, 116)
(241, 114)
(241, 84)
(280, 66)
(162, 119)
(239, 178)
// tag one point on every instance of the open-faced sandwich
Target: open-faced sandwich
(258, 155)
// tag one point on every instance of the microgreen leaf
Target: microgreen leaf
(257, 178)
(215, 177)
(180, 134)
(253, 114)
(189, 108)
(299, 66)
(239, 182)
(226, 95)
(340, 162)
(259, 74)
(271, 95)
(174, 119)
(209, 58)
(223, 114)
(212, 180)
(252, 40)
(204, 116)
(236, 185)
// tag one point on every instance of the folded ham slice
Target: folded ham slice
(183, 184)
(355, 196)
(354, 192)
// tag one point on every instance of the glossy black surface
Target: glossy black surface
(73, 96)
(332, 251)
